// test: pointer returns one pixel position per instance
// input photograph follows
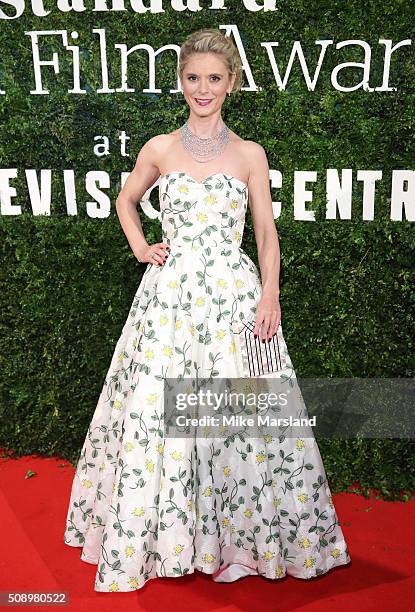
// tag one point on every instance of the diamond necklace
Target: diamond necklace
(204, 148)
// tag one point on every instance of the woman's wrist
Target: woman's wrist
(271, 293)
(138, 251)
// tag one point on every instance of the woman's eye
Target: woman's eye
(194, 77)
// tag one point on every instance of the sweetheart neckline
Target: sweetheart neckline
(227, 176)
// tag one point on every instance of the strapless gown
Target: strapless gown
(143, 504)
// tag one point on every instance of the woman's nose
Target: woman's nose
(203, 87)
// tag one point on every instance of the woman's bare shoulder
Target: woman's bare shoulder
(247, 147)
(251, 152)
(252, 147)
(169, 137)
(161, 140)
(156, 147)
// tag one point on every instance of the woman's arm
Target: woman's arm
(260, 201)
(143, 175)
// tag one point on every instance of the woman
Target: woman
(144, 504)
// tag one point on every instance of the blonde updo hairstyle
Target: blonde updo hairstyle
(210, 40)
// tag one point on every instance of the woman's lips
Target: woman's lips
(202, 102)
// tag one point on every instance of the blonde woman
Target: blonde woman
(144, 504)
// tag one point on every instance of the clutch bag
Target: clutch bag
(258, 357)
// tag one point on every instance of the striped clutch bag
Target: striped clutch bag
(258, 357)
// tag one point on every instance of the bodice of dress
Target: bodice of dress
(200, 214)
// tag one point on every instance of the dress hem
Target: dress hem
(322, 572)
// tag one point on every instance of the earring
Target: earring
(229, 93)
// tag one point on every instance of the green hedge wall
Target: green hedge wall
(66, 283)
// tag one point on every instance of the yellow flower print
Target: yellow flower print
(234, 204)
(152, 398)
(299, 444)
(167, 350)
(225, 522)
(268, 555)
(268, 439)
(208, 558)
(190, 504)
(220, 334)
(279, 572)
(149, 465)
(304, 543)
(163, 319)
(192, 329)
(118, 404)
(183, 188)
(200, 301)
(102, 467)
(233, 529)
(239, 284)
(178, 549)
(121, 357)
(232, 348)
(222, 283)
(260, 457)
(208, 492)
(303, 497)
(86, 483)
(335, 553)
(238, 236)
(179, 323)
(128, 446)
(277, 502)
(138, 511)
(133, 582)
(113, 586)
(309, 562)
(113, 487)
(149, 354)
(211, 199)
(173, 284)
(129, 551)
(227, 470)
(176, 455)
(202, 217)
(160, 448)
(248, 513)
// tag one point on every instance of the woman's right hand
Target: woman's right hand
(153, 253)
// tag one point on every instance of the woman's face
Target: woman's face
(205, 78)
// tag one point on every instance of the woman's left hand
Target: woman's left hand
(268, 317)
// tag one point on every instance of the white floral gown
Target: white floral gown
(143, 504)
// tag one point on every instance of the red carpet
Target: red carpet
(379, 534)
